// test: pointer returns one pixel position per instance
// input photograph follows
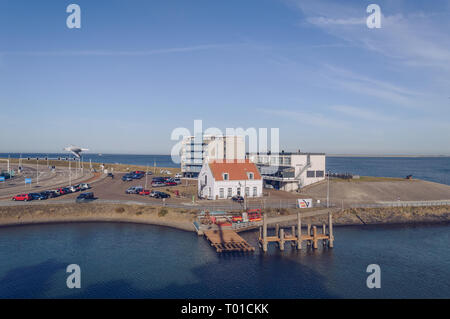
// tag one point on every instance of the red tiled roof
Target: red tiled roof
(237, 169)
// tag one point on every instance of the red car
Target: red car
(144, 192)
(139, 172)
(22, 197)
(61, 191)
(170, 183)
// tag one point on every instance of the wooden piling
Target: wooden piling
(315, 245)
(281, 239)
(308, 233)
(277, 230)
(264, 232)
(299, 231)
(330, 230)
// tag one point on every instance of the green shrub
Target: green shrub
(162, 212)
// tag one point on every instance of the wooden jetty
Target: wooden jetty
(295, 236)
(227, 240)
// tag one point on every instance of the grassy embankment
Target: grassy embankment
(182, 218)
(62, 213)
(116, 167)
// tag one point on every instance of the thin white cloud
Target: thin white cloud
(120, 53)
(362, 84)
(361, 113)
(307, 118)
(322, 21)
(413, 38)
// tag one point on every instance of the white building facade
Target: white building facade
(290, 171)
(220, 179)
(196, 150)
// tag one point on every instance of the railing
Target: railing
(403, 204)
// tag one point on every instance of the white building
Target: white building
(196, 150)
(219, 179)
(290, 171)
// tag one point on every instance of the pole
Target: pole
(146, 174)
(264, 232)
(37, 171)
(70, 175)
(282, 239)
(299, 231)
(328, 189)
(330, 230)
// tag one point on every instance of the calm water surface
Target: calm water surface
(142, 261)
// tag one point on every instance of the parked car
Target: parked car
(134, 190)
(158, 184)
(85, 197)
(74, 189)
(63, 191)
(49, 194)
(157, 194)
(238, 198)
(149, 173)
(170, 183)
(55, 193)
(139, 172)
(268, 186)
(178, 175)
(144, 192)
(84, 186)
(137, 176)
(38, 196)
(127, 178)
(22, 197)
(67, 190)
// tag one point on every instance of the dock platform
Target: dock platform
(227, 240)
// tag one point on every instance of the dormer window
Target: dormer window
(251, 175)
(226, 176)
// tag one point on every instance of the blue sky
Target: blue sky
(138, 69)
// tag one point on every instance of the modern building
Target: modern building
(290, 171)
(196, 150)
(220, 179)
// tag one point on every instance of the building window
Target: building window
(251, 175)
(255, 191)
(247, 191)
(319, 174)
(310, 174)
(239, 191)
(230, 192)
(206, 179)
(225, 176)
(221, 193)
